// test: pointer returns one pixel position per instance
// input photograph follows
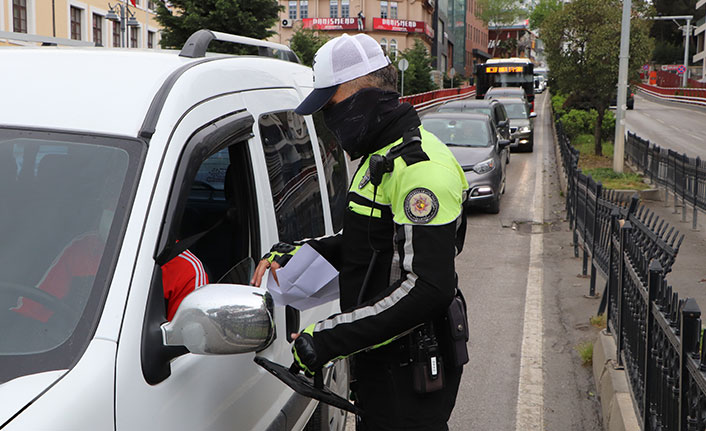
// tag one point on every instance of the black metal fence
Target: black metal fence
(658, 335)
(684, 176)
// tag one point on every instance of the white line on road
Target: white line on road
(530, 395)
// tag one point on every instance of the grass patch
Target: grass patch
(585, 351)
(601, 167)
(598, 321)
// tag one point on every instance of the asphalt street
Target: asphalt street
(668, 124)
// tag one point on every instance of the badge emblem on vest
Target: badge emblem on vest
(365, 180)
(421, 205)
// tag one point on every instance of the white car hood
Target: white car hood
(17, 393)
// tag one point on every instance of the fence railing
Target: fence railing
(694, 96)
(437, 97)
(658, 335)
(684, 176)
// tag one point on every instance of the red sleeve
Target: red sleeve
(181, 276)
(80, 258)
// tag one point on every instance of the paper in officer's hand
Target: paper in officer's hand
(308, 280)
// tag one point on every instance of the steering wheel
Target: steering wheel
(48, 300)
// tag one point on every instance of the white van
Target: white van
(137, 151)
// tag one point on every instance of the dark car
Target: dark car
(504, 92)
(629, 101)
(521, 122)
(492, 107)
(473, 140)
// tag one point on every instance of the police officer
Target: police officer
(402, 229)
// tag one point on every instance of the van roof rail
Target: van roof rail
(44, 40)
(197, 45)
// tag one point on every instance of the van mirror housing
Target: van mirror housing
(222, 319)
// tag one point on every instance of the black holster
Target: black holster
(456, 321)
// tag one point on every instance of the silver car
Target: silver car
(474, 142)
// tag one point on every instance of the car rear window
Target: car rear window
(459, 132)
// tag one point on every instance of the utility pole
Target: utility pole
(619, 147)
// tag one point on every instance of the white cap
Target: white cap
(340, 60)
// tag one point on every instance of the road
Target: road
(669, 125)
(524, 373)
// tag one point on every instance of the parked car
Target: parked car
(521, 122)
(193, 144)
(491, 107)
(629, 101)
(473, 140)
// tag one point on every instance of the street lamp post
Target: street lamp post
(121, 13)
(619, 146)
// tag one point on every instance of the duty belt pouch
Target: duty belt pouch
(427, 365)
(458, 330)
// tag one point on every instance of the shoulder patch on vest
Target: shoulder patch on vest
(421, 205)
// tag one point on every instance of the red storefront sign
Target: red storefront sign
(332, 23)
(402, 25)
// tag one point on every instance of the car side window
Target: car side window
(294, 179)
(335, 171)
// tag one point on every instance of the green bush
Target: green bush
(577, 122)
(558, 101)
(608, 127)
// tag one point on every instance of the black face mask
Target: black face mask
(364, 122)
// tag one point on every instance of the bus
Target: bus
(505, 72)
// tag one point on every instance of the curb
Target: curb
(612, 386)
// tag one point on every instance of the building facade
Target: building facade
(443, 47)
(394, 24)
(476, 38)
(84, 20)
(700, 33)
(516, 40)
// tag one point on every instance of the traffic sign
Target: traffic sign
(403, 64)
(452, 72)
(646, 67)
(681, 69)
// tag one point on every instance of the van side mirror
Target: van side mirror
(222, 319)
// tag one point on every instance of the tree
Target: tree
(542, 10)
(581, 43)
(305, 42)
(252, 18)
(499, 13)
(417, 77)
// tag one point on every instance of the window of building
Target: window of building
(97, 29)
(75, 23)
(116, 35)
(345, 8)
(393, 50)
(151, 5)
(292, 9)
(393, 9)
(19, 16)
(293, 177)
(150, 39)
(383, 44)
(383, 9)
(333, 8)
(134, 31)
(304, 9)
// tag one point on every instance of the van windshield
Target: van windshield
(64, 199)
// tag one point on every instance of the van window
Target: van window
(335, 170)
(64, 201)
(293, 176)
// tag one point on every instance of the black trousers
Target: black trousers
(383, 389)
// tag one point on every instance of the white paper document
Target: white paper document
(308, 280)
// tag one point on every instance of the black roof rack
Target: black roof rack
(44, 40)
(197, 45)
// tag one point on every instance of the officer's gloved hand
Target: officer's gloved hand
(281, 253)
(304, 352)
